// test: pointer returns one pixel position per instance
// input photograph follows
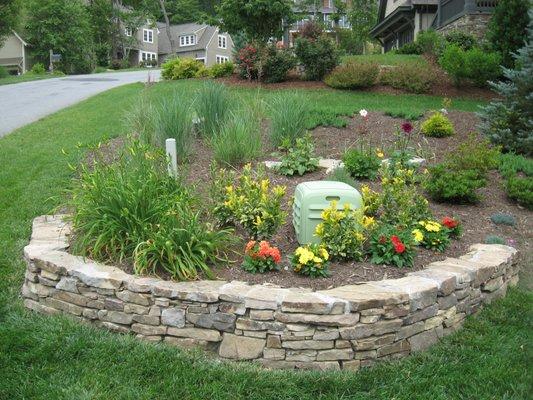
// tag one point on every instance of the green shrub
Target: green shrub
(509, 121)
(341, 175)
(38, 69)
(318, 56)
(353, 75)
(520, 189)
(212, 105)
(174, 120)
(248, 62)
(221, 70)
(503, 219)
(409, 76)
(474, 154)
(99, 69)
(276, 63)
(289, 114)
(430, 42)
(362, 163)
(411, 48)
(453, 62)
(437, 125)
(3, 72)
(182, 68)
(511, 164)
(300, 158)
(481, 66)
(494, 239)
(238, 141)
(131, 210)
(464, 40)
(445, 184)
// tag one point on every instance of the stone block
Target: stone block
(301, 355)
(322, 320)
(117, 317)
(250, 325)
(41, 308)
(265, 298)
(492, 285)
(365, 296)
(149, 330)
(447, 302)
(312, 303)
(342, 344)
(63, 306)
(68, 285)
(219, 321)
(113, 304)
(308, 344)
(273, 341)
(373, 342)
(369, 319)
(241, 347)
(132, 297)
(330, 334)
(365, 355)
(423, 340)
(446, 281)
(421, 315)
(262, 315)
(232, 308)
(187, 343)
(351, 365)
(422, 291)
(410, 330)
(141, 285)
(256, 334)
(397, 347)
(113, 327)
(365, 330)
(147, 319)
(49, 275)
(336, 354)
(208, 335)
(136, 309)
(173, 317)
(274, 354)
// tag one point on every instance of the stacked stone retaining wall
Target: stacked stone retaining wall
(346, 327)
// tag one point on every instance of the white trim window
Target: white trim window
(147, 56)
(201, 59)
(222, 59)
(222, 42)
(128, 31)
(187, 40)
(148, 35)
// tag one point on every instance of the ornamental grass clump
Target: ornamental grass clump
(212, 106)
(250, 202)
(311, 260)
(133, 211)
(289, 117)
(261, 257)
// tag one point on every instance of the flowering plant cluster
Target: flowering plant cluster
(342, 232)
(248, 60)
(434, 236)
(392, 246)
(252, 203)
(261, 257)
(311, 260)
(453, 225)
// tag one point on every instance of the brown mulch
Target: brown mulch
(331, 143)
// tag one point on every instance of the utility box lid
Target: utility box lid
(311, 198)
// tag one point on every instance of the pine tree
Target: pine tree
(509, 122)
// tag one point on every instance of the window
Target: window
(187, 40)
(148, 36)
(222, 59)
(128, 31)
(222, 43)
(147, 56)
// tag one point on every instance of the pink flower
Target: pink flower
(407, 127)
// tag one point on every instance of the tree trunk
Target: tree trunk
(173, 46)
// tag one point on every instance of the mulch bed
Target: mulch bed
(331, 143)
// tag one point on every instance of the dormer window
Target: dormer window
(187, 40)
(222, 42)
(148, 35)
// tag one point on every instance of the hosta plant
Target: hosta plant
(261, 257)
(311, 260)
(392, 246)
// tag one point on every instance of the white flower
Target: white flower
(444, 111)
(363, 113)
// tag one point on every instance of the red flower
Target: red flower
(449, 223)
(407, 127)
(399, 247)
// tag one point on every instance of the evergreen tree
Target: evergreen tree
(509, 122)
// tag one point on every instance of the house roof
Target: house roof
(203, 32)
(404, 12)
(19, 38)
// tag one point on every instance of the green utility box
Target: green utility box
(311, 198)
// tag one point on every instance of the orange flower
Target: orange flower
(275, 254)
(249, 246)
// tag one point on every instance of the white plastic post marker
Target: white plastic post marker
(170, 146)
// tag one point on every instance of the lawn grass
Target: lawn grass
(387, 58)
(27, 77)
(57, 358)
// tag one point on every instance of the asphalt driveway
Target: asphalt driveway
(26, 102)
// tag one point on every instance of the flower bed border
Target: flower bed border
(346, 327)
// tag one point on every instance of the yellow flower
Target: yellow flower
(368, 221)
(418, 235)
(324, 254)
(229, 189)
(264, 185)
(379, 153)
(359, 236)
(319, 230)
(279, 191)
(317, 260)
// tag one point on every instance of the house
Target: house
(400, 21)
(14, 54)
(199, 41)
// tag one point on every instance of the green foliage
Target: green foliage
(353, 75)
(409, 116)
(464, 40)
(49, 25)
(318, 57)
(258, 19)
(494, 239)
(392, 246)
(141, 120)
(435, 236)
(300, 158)
(503, 219)
(3, 72)
(474, 154)
(452, 61)
(276, 63)
(341, 232)
(453, 186)
(250, 202)
(512, 164)
(104, 30)
(362, 163)
(238, 140)
(362, 16)
(221, 70)
(430, 42)
(288, 113)
(341, 175)
(182, 68)
(38, 69)
(212, 104)
(409, 76)
(411, 48)
(132, 210)
(174, 120)
(10, 11)
(520, 189)
(183, 11)
(507, 29)
(509, 121)
(437, 125)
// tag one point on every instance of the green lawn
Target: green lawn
(27, 77)
(388, 58)
(56, 358)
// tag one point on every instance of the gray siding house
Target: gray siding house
(14, 54)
